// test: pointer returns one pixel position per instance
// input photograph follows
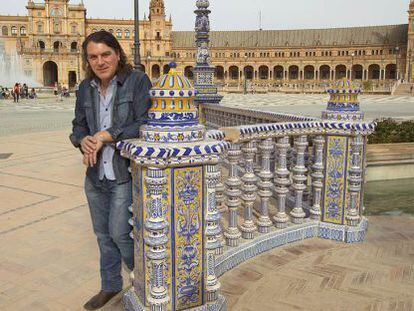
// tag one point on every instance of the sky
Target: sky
(245, 14)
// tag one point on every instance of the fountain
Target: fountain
(11, 69)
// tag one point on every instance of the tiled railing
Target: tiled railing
(282, 182)
(215, 116)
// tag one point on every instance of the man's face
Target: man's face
(103, 60)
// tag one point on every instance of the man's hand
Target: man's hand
(98, 146)
(88, 159)
(88, 144)
(91, 145)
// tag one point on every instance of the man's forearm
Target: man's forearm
(104, 137)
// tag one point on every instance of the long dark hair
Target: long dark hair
(102, 36)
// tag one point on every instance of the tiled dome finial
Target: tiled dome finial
(173, 117)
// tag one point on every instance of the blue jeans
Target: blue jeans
(108, 205)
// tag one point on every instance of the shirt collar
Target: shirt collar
(96, 84)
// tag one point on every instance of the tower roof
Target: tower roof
(157, 3)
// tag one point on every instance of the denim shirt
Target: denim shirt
(130, 111)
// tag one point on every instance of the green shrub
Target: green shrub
(390, 131)
(367, 85)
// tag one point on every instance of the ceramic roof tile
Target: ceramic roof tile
(372, 35)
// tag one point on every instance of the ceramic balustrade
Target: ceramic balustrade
(284, 195)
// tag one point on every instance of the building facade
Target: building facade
(49, 39)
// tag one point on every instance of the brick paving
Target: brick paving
(49, 256)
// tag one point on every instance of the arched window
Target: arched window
(74, 46)
(390, 71)
(22, 31)
(41, 45)
(155, 71)
(340, 72)
(119, 33)
(325, 72)
(309, 72)
(357, 72)
(127, 34)
(14, 31)
(56, 46)
(293, 72)
(219, 73)
(189, 72)
(263, 72)
(374, 72)
(4, 31)
(234, 72)
(248, 72)
(278, 72)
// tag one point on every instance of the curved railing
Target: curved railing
(288, 181)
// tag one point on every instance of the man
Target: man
(112, 105)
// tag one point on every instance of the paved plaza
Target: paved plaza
(49, 256)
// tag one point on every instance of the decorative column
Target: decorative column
(233, 193)
(345, 151)
(174, 171)
(343, 157)
(282, 181)
(249, 188)
(317, 177)
(212, 231)
(265, 185)
(299, 179)
(156, 239)
(221, 207)
(203, 70)
(355, 181)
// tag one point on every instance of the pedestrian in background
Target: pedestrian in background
(16, 92)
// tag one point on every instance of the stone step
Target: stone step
(403, 89)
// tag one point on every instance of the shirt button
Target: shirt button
(106, 109)
(105, 162)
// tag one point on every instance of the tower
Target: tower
(410, 42)
(204, 71)
(157, 9)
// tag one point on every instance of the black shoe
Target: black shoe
(99, 300)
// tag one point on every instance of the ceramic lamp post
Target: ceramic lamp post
(204, 70)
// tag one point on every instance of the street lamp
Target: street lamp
(410, 68)
(137, 56)
(396, 51)
(149, 66)
(78, 57)
(352, 65)
(245, 74)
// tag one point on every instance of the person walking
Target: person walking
(113, 103)
(16, 92)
